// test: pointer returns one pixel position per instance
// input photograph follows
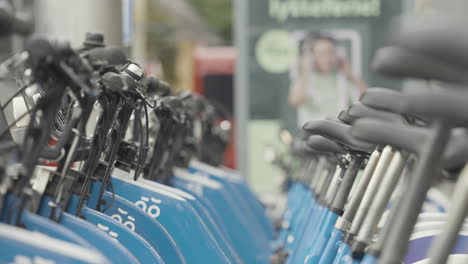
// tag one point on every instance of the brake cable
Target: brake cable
(98, 144)
(144, 146)
(112, 155)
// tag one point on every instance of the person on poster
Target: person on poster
(322, 83)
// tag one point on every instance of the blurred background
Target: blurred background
(251, 57)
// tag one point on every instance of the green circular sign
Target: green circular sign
(276, 50)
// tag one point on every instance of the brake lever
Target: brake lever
(116, 137)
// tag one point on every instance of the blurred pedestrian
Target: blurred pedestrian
(320, 86)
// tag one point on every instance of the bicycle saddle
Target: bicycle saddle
(448, 105)
(402, 63)
(300, 148)
(359, 110)
(389, 101)
(322, 144)
(412, 138)
(456, 152)
(345, 117)
(438, 36)
(339, 133)
(383, 133)
(384, 99)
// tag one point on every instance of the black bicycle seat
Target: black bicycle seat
(440, 36)
(339, 133)
(402, 63)
(412, 138)
(384, 133)
(445, 104)
(345, 117)
(456, 152)
(359, 110)
(300, 148)
(384, 99)
(322, 144)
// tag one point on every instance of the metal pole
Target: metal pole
(425, 170)
(379, 204)
(445, 242)
(241, 98)
(373, 187)
(351, 209)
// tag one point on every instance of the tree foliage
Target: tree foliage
(217, 15)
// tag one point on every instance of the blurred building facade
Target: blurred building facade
(134, 24)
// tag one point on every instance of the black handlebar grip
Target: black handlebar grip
(114, 81)
(130, 83)
(106, 56)
(157, 86)
(39, 49)
(165, 88)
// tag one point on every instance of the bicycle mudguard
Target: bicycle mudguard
(218, 229)
(38, 223)
(109, 247)
(139, 247)
(176, 215)
(22, 246)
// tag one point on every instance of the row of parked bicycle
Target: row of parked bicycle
(103, 165)
(386, 183)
